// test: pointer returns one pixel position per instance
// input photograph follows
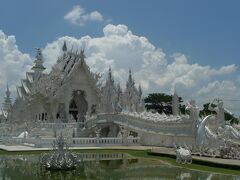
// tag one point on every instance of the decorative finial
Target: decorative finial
(38, 67)
(140, 87)
(8, 92)
(64, 48)
(82, 53)
(130, 75)
(7, 87)
(174, 90)
(38, 54)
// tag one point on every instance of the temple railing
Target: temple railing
(100, 156)
(174, 128)
(60, 125)
(179, 127)
(74, 142)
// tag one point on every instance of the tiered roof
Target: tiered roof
(37, 82)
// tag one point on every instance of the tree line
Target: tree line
(162, 103)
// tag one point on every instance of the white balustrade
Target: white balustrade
(76, 142)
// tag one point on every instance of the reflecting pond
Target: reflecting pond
(101, 166)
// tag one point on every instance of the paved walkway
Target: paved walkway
(155, 150)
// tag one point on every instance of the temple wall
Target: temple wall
(166, 140)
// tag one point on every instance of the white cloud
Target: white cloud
(121, 49)
(238, 79)
(226, 90)
(13, 63)
(95, 16)
(119, 30)
(223, 89)
(78, 16)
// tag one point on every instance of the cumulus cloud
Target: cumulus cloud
(121, 49)
(226, 90)
(14, 63)
(78, 16)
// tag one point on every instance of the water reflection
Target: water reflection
(100, 166)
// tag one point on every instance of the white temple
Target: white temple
(70, 92)
(70, 100)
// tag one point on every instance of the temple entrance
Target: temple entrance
(78, 106)
(73, 111)
(61, 113)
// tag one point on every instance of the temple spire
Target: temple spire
(110, 78)
(64, 48)
(8, 92)
(175, 103)
(109, 93)
(7, 104)
(130, 75)
(140, 92)
(130, 82)
(82, 56)
(38, 67)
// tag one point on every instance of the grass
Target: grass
(196, 166)
(144, 154)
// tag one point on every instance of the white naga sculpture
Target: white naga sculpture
(211, 142)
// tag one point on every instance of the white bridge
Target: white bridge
(161, 131)
(182, 126)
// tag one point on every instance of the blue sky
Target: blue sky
(206, 31)
(191, 45)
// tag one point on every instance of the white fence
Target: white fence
(60, 125)
(74, 142)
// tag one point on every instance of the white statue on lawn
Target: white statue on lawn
(183, 156)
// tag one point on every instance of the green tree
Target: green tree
(205, 111)
(162, 103)
(228, 116)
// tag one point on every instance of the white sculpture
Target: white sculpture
(210, 143)
(23, 134)
(183, 156)
(203, 132)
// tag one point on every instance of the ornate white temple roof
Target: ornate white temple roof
(70, 65)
